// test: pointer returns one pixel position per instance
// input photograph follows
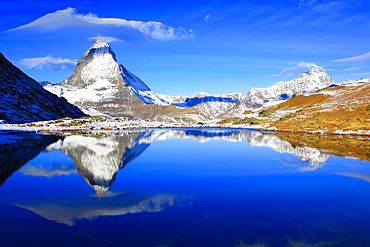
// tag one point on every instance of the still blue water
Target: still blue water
(180, 188)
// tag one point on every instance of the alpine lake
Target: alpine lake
(184, 187)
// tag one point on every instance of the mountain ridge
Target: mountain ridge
(110, 88)
(22, 99)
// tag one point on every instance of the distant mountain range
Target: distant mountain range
(100, 85)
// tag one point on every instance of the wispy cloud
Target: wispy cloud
(47, 62)
(108, 39)
(298, 69)
(362, 57)
(320, 5)
(306, 3)
(70, 17)
(207, 18)
(352, 69)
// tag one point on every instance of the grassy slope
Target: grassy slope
(343, 108)
(340, 108)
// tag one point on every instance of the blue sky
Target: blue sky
(184, 47)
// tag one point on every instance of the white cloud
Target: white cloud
(362, 57)
(207, 18)
(352, 69)
(47, 62)
(298, 69)
(108, 39)
(70, 17)
(322, 6)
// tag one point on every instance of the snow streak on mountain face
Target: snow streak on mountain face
(22, 99)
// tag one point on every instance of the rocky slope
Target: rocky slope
(22, 99)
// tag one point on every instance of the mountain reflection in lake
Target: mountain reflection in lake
(184, 187)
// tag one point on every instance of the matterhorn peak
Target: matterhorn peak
(98, 82)
(99, 42)
(97, 65)
(100, 48)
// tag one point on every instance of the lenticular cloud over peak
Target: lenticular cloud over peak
(70, 17)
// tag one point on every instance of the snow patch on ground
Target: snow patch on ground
(91, 112)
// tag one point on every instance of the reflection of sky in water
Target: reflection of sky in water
(48, 164)
(182, 192)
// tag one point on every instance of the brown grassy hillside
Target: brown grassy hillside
(345, 108)
(331, 110)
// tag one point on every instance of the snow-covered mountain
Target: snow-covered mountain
(308, 82)
(206, 104)
(98, 71)
(22, 99)
(354, 82)
(100, 83)
(311, 81)
(234, 104)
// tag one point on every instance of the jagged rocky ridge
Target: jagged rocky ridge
(22, 99)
